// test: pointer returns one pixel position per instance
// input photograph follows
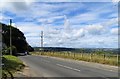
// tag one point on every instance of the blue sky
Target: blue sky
(75, 24)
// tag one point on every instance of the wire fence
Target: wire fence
(112, 59)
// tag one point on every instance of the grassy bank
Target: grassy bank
(11, 65)
(97, 58)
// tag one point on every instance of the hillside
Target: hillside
(19, 43)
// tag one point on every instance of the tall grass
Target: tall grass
(109, 59)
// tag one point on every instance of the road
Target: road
(54, 67)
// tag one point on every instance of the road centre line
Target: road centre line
(73, 69)
(68, 67)
(46, 61)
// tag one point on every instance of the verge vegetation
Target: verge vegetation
(11, 65)
(109, 59)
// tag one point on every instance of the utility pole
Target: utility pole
(41, 39)
(10, 37)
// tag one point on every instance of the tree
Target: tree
(19, 43)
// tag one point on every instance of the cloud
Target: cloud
(103, 41)
(111, 22)
(29, 27)
(115, 0)
(4, 17)
(50, 19)
(32, 34)
(115, 31)
(56, 1)
(95, 29)
(66, 24)
(14, 6)
(79, 33)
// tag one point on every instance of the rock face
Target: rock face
(19, 43)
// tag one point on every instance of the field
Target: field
(89, 57)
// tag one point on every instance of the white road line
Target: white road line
(68, 67)
(46, 61)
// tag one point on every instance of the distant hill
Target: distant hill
(53, 49)
(19, 43)
(78, 50)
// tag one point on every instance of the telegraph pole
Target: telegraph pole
(41, 39)
(10, 37)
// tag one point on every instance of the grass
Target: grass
(0, 72)
(97, 58)
(12, 64)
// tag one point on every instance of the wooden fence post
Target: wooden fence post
(67, 53)
(81, 55)
(90, 56)
(74, 55)
(118, 59)
(104, 57)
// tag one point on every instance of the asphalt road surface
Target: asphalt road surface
(43, 66)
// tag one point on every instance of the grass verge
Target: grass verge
(11, 64)
(110, 60)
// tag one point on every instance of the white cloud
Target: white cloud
(75, 38)
(33, 41)
(32, 34)
(110, 22)
(70, 34)
(95, 29)
(115, 0)
(79, 33)
(29, 27)
(14, 6)
(101, 41)
(49, 19)
(115, 31)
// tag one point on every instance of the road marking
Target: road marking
(46, 61)
(68, 67)
(111, 70)
(106, 78)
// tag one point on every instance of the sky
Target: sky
(65, 23)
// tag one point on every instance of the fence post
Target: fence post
(68, 54)
(104, 57)
(118, 59)
(74, 55)
(90, 57)
(81, 55)
(52, 53)
(63, 54)
(59, 53)
(41, 53)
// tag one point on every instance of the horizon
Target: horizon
(65, 24)
(77, 48)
